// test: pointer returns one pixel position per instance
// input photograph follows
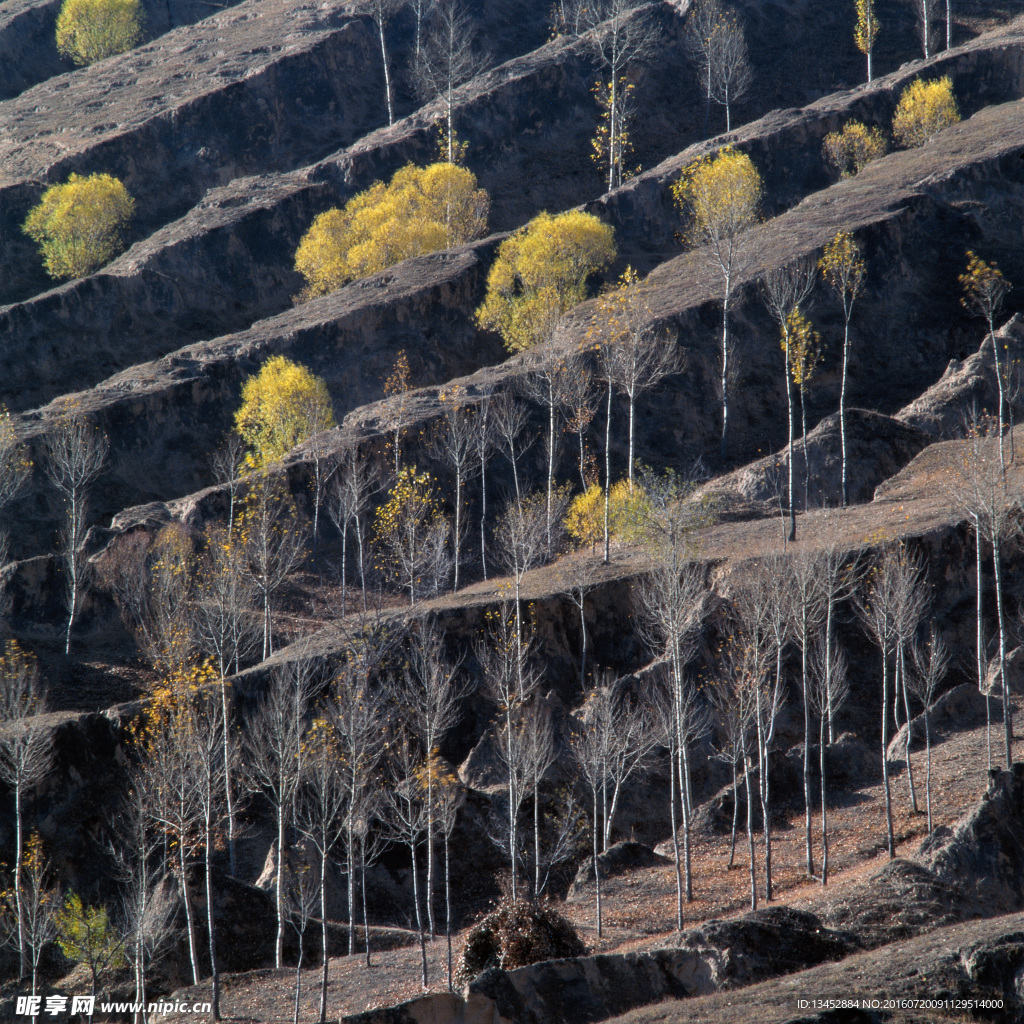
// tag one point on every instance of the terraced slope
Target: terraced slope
(915, 212)
(260, 87)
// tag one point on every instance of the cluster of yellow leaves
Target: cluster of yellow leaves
(628, 509)
(622, 142)
(842, 265)
(413, 508)
(865, 34)
(722, 194)
(282, 405)
(850, 150)
(90, 30)
(86, 934)
(421, 210)
(80, 225)
(802, 345)
(540, 272)
(924, 109)
(984, 286)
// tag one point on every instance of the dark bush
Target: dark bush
(517, 934)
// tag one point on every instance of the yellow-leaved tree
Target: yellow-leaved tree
(282, 406)
(865, 35)
(542, 271)
(80, 225)
(89, 30)
(721, 194)
(421, 210)
(850, 150)
(924, 109)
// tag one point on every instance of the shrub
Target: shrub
(924, 109)
(516, 935)
(422, 209)
(627, 507)
(79, 226)
(282, 406)
(849, 151)
(540, 272)
(89, 30)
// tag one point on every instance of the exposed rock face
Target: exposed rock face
(962, 707)
(944, 410)
(28, 52)
(877, 448)
(242, 106)
(618, 859)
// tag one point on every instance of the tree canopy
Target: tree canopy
(282, 406)
(542, 271)
(722, 192)
(80, 225)
(89, 30)
(850, 150)
(924, 109)
(421, 210)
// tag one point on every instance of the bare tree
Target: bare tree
(829, 689)
(431, 698)
(930, 663)
(450, 797)
(578, 574)
(14, 469)
(454, 441)
(509, 420)
(348, 503)
(275, 543)
(639, 355)
(26, 753)
(764, 625)
(484, 440)
(381, 12)
(578, 401)
(304, 892)
(446, 60)
(148, 914)
(38, 906)
(879, 610)
(731, 72)
(784, 289)
(321, 451)
(227, 630)
(510, 681)
(621, 37)
(808, 612)
(741, 673)
(273, 761)
(924, 13)
(406, 817)
(229, 463)
(541, 386)
(421, 11)
(704, 19)
(75, 453)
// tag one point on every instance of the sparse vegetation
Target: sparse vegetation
(850, 150)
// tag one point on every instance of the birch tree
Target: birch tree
(842, 266)
(26, 754)
(783, 290)
(704, 19)
(930, 662)
(76, 451)
(348, 506)
(380, 12)
(721, 194)
(731, 72)
(865, 33)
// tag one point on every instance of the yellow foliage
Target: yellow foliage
(802, 345)
(722, 194)
(842, 265)
(865, 35)
(540, 272)
(849, 151)
(90, 30)
(80, 225)
(422, 210)
(282, 405)
(627, 513)
(924, 109)
(984, 287)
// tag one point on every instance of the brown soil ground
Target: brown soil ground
(640, 908)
